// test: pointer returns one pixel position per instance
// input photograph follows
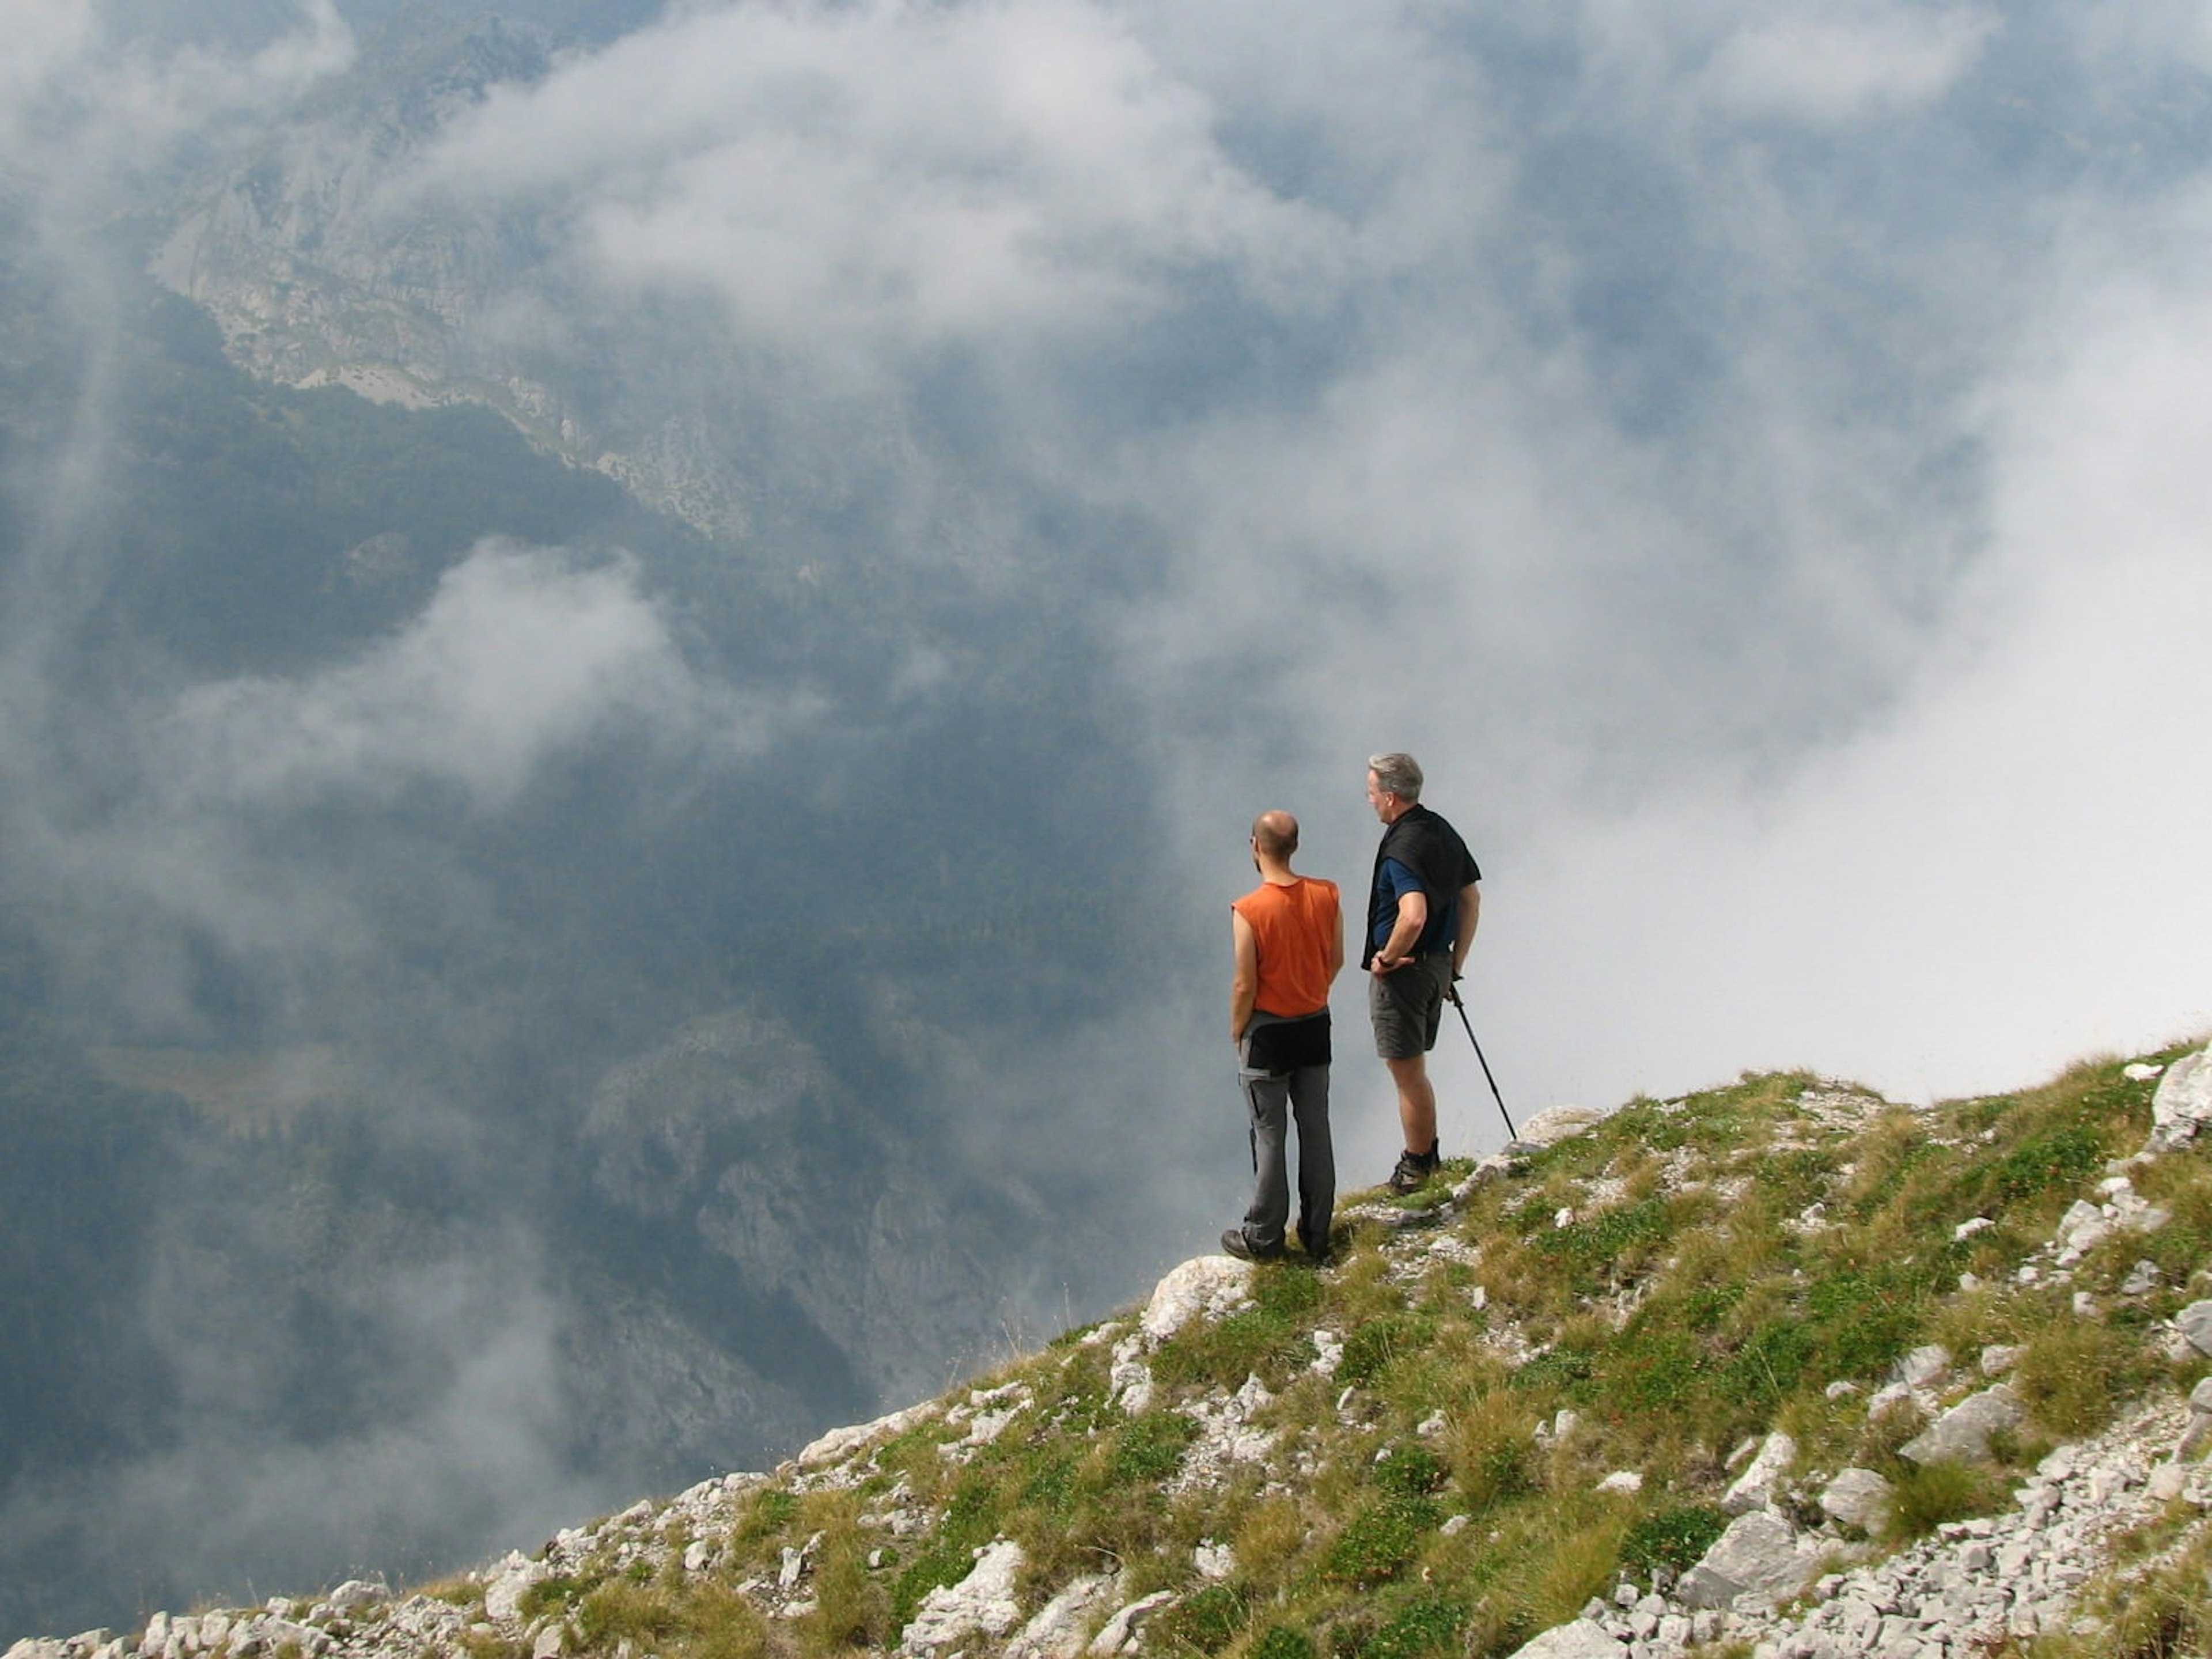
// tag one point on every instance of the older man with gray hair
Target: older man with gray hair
(1421, 913)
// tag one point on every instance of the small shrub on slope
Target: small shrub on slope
(1671, 1538)
(2072, 1373)
(1282, 1642)
(1427, 1624)
(1922, 1498)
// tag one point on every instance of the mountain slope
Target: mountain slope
(1717, 1374)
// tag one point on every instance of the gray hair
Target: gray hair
(1396, 774)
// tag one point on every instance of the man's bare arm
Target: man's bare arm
(1412, 916)
(1470, 913)
(1244, 985)
(1336, 949)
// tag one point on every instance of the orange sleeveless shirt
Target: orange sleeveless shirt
(1294, 927)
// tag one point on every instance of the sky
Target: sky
(1750, 454)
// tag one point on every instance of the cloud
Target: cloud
(2000, 874)
(47, 37)
(518, 657)
(1827, 64)
(328, 824)
(484, 1452)
(892, 176)
(85, 111)
(1493, 384)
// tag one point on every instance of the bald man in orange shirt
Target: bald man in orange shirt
(1288, 936)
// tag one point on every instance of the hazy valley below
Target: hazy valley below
(480, 1037)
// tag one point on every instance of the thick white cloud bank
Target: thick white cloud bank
(2008, 872)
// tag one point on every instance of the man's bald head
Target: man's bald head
(1275, 835)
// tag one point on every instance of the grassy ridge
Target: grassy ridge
(1644, 1297)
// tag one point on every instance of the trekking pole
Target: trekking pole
(1454, 994)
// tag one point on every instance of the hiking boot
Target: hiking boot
(1242, 1247)
(1413, 1171)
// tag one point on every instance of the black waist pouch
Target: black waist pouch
(1284, 1045)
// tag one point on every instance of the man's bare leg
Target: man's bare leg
(1417, 1103)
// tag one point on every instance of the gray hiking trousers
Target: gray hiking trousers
(1276, 1100)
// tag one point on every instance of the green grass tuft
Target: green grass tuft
(1427, 1624)
(1672, 1538)
(1921, 1497)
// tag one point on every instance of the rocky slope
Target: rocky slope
(1185, 1479)
(325, 265)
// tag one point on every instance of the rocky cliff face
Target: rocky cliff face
(734, 1133)
(322, 270)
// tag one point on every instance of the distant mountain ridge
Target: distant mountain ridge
(316, 278)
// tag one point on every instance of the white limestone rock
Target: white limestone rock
(2081, 1230)
(1585, 1639)
(1225, 1437)
(1759, 1560)
(1129, 1378)
(508, 1582)
(2198, 1429)
(1555, 1123)
(1122, 1632)
(1963, 1432)
(1206, 1287)
(2194, 1322)
(2142, 1278)
(274, 1634)
(1214, 1562)
(1857, 1498)
(1061, 1628)
(1923, 1367)
(794, 1563)
(2183, 1105)
(840, 1443)
(1755, 1487)
(984, 1600)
